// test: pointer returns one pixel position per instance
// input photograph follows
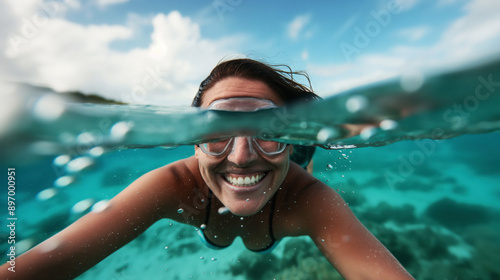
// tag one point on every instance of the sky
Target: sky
(157, 52)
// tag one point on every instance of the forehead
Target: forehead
(239, 87)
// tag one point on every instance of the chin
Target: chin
(245, 208)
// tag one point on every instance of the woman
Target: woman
(225, 180)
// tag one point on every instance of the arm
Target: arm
(342, 239)
(97, 235)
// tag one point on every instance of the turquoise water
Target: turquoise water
(417, 161)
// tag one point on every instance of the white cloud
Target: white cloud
(105, 3)
(414, 33)
(69, 56)
(297, 25)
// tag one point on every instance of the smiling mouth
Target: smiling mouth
(244, 181)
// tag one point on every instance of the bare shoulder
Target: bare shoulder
(304, 201)
(164, 188)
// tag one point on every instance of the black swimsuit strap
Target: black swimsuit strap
(209, 206)
(271, 216)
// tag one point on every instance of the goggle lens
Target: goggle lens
(265, 146)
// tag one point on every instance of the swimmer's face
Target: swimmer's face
(243, 161)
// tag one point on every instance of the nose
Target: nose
(242, 152)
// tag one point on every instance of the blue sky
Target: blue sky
(157, 52)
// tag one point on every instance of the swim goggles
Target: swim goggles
(244, 104)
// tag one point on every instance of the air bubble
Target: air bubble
(180, 210)
(329, 166)
(203, 226)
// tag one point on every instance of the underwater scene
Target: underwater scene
(416, 159)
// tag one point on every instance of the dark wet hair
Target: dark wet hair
(280, 81)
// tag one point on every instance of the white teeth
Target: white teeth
(244, 182)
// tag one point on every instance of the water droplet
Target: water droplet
(100, 206)
(48, 108)
(248, 199)
(326, 134)
(215, 236)
(223, 210)
(166, 247)
(180, 210)
(46, 194)
(202, 258)
(412, 81)
(79, 164)
(242, 218)
(64, 181)
(214, 259)
(82, 206)
(329, 166)
(49, 245)
(388, 125)
(120, 129)
(96, 151)
(367, 132)
(203, 226)
(61, 160)
(356, 103)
